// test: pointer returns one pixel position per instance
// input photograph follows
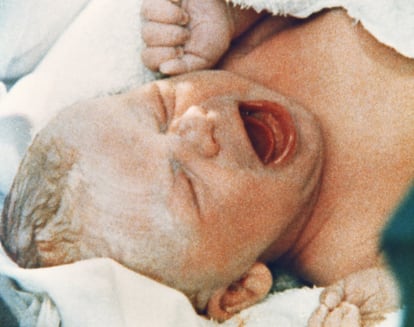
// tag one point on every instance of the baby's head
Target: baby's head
(189, 180)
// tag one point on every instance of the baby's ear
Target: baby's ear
(252, 287)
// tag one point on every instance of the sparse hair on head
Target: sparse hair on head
(51, 215)
(35, 229)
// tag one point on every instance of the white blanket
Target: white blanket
(62, 52)
(100, 292)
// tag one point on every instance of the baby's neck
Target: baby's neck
(362, 93)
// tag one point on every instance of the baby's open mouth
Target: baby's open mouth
(270, 129)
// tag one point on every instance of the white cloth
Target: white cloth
(100, 292)
(28, 29)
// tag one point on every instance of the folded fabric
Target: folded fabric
(28, 28)
(100, 292)
(24, 308)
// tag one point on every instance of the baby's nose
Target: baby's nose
(196, 128)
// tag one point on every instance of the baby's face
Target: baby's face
(203, 159)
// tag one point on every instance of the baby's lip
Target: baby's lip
(270, 128)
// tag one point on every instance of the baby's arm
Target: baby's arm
(191, 34)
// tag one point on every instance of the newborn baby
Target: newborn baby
(208, 165)
(227, 173)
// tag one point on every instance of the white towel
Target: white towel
(100, 292)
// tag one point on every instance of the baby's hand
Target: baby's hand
(185, 35)
(361, 299)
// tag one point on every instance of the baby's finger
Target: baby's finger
(154, 57)
(187, 63)
(318, 316)
(157, 34)
(346, 315)
(163, 11)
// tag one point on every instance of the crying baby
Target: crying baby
(229, 173)
(209, 165)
